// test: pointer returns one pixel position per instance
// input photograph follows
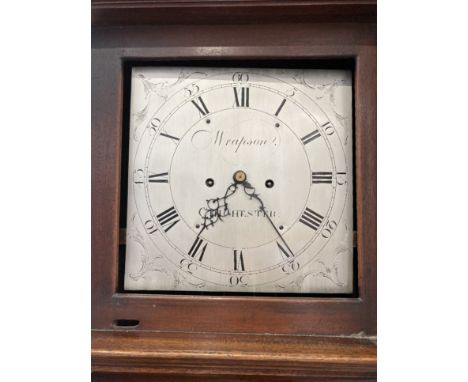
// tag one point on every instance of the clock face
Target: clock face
(240, 180)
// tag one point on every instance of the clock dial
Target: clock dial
(240, 181)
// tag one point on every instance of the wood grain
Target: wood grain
(298, 315)
(233, 355)
(150, 12)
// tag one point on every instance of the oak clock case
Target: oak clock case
(240, 181)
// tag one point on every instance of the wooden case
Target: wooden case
(243, 337)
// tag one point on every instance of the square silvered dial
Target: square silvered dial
(240, 180)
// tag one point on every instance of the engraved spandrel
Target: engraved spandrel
(165, 88)
(329, 272)
(332, 266)
(148, 263)
(329, 268)
(156, 93)
(327, 92)
(289, 286)
(151, 263)
(140, 115)
(183, 282)
(318, 269)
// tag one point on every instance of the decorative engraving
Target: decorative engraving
(327, 91)
(330, 272)
(156, 92)
(148, 263)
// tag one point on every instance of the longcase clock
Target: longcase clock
(234, 190)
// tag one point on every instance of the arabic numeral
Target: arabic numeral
(187, 266)
(237, 281)
(138, 176)
(328, 127)
(240, 77)
(150, 226)
(329, 228)
(191, 90)
(291, 266)
(341, 178)
(290, 93)
(154, 125)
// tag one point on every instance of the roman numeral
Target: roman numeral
(197, 250)
(238, 261)
(310, 137)
(284, 251)
(200, 105)
(170, 136)
(159, 178)
(241, 96)
(311, 219)
(322, 177)
(168, 218)
(280, 107)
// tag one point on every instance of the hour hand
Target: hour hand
(216, 208)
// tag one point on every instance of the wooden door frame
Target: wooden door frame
(302, 37)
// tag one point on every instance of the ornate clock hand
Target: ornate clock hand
(216, 209)
(250, 191)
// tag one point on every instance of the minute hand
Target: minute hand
(249, 190)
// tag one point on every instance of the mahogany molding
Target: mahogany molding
(229, 314)
(225, 356)
(148, 12)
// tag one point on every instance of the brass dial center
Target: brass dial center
(240, 176)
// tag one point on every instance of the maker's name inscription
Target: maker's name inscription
(236, 142)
